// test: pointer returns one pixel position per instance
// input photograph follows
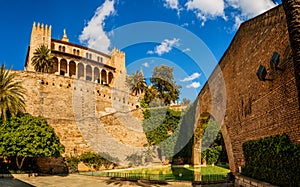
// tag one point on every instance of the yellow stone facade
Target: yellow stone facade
(76, 61)
(84, 97)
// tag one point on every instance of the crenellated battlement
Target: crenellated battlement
(41, 26)
(118, 52)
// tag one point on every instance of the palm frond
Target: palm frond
(11, 94)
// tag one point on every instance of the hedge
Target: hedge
(273, 159)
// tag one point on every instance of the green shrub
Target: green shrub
(95, 160)
(161, 128)
(92, 160)
(273, 159)
(72, 164)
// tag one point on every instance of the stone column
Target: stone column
(58, 68)
(84, 72)
(100, 76)
(107, 72)
(196, 154)
(93, 77)
(76, 71)
(68, 68)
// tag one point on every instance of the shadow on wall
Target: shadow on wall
(44, 166)
(52, 165)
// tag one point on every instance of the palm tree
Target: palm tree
(136, 82)
(11, 94)
(292, 8)
(42, 59)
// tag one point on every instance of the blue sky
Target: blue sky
(189, 35)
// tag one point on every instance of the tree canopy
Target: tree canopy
(11, 94)
(42, 59)
(213, 146)
(27, 136)
(186, 101)
(161, 128)
(136, 82)
(163, 81)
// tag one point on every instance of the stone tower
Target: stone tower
(118, 61)
(40, 35)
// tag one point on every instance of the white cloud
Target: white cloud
(165, 47)
(207, 9)
(194, 85)
(146, 64)
(238, 21)
(244, 9)
(184, 25)
(252, 8)
(150, 52)
(93, 35)
(249, 9)
(186, 50)
(173, 4)
(192, 77)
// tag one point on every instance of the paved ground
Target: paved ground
(74, 180)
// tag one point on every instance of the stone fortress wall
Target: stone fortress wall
(65, 103)
(83, 97)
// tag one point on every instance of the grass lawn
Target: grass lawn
(207, 173)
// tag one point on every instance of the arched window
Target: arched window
(72, 69)
(77, 52)
(99, 59)
(63, 67)
(64, 49)
(59, 48)
(110, 77)
(54, 65)
(87, 55)
(88, 73)
(80, 70)
(103, 77)
(97, 75)
(90, 56)
(74, 51)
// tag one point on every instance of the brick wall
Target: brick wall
(254, 109)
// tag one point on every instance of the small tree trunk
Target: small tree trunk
(19, 165)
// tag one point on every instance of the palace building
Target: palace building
(76, 61)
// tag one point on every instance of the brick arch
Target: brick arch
(203, 117)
